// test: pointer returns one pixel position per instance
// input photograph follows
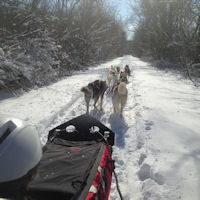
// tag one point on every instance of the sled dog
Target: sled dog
(119, 98)
(113, 76)
(123, 77)
(127, 70)
(94, 90)
(124, 74)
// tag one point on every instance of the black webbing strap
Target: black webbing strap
(116, 179)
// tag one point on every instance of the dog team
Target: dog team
(116, 85)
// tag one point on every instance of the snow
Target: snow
(156, 150)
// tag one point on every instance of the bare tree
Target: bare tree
(168, 30)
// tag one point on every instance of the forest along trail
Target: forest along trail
(156, 143)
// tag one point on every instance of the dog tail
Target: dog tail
(122, 88)
(85, 90)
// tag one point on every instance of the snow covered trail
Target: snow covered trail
(157, 149)
(172, 122)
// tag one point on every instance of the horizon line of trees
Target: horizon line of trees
(41, 40)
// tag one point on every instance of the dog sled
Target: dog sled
(76, 162)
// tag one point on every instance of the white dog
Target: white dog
(119, 98)
(113, 76)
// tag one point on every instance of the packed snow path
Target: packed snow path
(157, 149)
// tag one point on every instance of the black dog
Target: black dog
(94, 90)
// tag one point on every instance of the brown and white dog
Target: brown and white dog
(119, 98)
(124, 75)
(94, 90)
(113, 76)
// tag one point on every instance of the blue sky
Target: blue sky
(124, 11)
(122, 6)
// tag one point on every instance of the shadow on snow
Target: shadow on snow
(119, 127)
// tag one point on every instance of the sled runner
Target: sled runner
(76, 162)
